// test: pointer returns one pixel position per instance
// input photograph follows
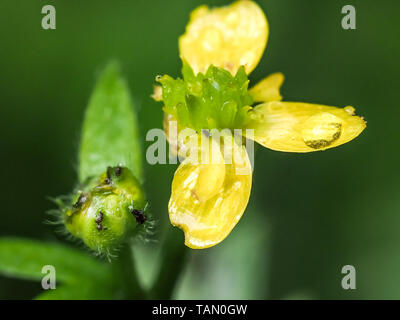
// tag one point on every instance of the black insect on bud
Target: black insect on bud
(118, 171)
(108, 178)
(138, 214)
(99, 218)
(81, 200)
(99, 221)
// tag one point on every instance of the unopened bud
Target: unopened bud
(107, 211)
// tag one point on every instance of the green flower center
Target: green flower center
(214, 100)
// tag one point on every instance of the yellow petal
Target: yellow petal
(226, 37)
(210, 167)
(303, 127)
(171, 131)
(268, 88)
(157, 93)
(182, 141)
(207, 200)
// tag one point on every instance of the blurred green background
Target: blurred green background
(309, 214)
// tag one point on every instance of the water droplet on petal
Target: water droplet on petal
(350, 110)
(320, 130)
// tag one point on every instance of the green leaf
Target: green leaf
(83, 291)
(110, 135)
(24, 258)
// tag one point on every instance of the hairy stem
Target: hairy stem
(174, 258)
(126, 275)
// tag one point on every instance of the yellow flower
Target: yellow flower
(208, 199)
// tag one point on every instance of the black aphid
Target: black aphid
(81, 200)
(138, 214)
(118, 171)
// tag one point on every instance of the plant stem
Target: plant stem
(174, 258)
(126, 275)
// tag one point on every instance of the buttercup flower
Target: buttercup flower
(219, 49)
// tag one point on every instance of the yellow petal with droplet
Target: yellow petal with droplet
(208, 201)
(268, 88)
(303, 127)
(226, 37)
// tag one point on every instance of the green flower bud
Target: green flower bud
(107, 211)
